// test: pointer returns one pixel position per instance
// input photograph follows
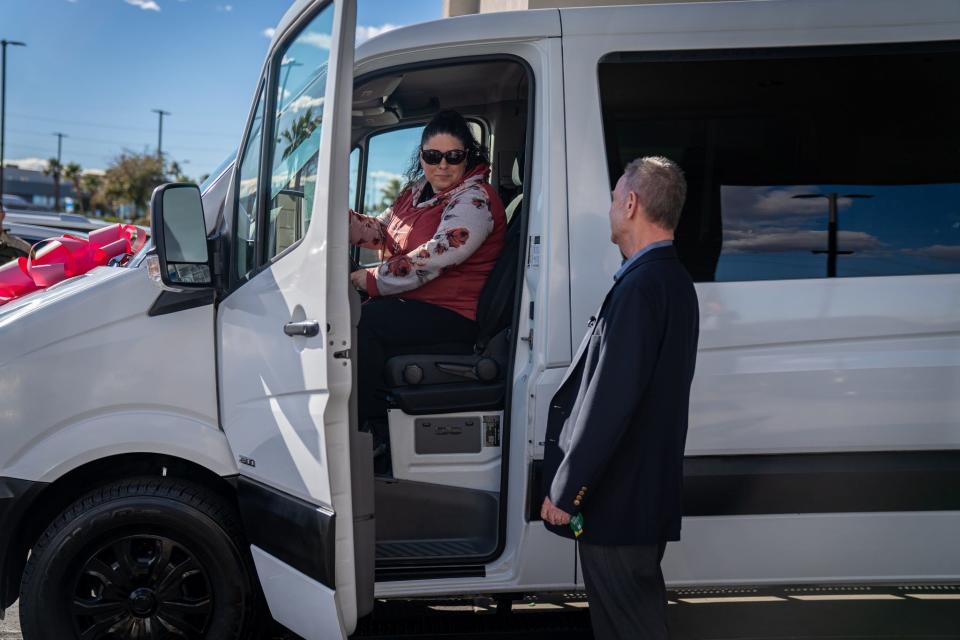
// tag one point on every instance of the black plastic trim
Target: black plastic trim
(803, 51)
(16, 496)
(535, 492)
(392, 574)
(822, 483)
(174, 301)
(292, 530)
(436, 398)
(852, 482)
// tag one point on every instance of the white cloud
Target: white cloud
(225, 7)
(385, 176)
(315, 39)
(146, 5)
(364, 33)
(780, 201)
(323, 40)
(773, 202)
(39, 164)
(794, 240)
(30, 164)
(937, 251)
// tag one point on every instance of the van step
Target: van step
(445, 548)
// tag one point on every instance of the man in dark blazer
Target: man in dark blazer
(618, 423)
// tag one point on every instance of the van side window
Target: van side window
(301, 74)
(773, 141)
(388, 157)
(246, 222)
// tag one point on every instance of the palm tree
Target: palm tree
(73, 173)
(389, 193)
(177, 172)
(300, 129)
(54, 169)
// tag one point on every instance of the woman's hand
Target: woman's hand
(359, 279)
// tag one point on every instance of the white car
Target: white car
(168, 453)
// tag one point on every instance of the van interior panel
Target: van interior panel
(438, 467)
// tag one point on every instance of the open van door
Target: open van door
(284, 329)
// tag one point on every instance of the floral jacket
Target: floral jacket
(439, 251)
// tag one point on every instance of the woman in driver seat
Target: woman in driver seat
(438, 242)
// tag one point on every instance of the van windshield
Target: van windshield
(216, 173)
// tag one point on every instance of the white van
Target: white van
(167, 454)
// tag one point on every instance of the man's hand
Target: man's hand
(553, 515)
(359, 279)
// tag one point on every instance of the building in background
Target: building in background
(453, 8)
(35, 188)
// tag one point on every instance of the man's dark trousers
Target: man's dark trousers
(628, 600)
(616, 433)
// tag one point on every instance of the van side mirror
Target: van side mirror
(180, 236)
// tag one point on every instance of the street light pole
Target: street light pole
(59, 170)
(833, 229)
(161, 113)
(3, 106)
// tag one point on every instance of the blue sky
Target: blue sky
(94, 70)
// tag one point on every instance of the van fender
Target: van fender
(141, 430)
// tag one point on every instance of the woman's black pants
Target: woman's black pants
(393, 326)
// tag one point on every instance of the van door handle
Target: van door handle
(306, 328)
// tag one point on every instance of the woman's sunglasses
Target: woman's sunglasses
(432, 156)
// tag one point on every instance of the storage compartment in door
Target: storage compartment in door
(447, 435)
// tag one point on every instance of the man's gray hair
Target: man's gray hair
(660, 187)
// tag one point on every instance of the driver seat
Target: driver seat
(431, 381)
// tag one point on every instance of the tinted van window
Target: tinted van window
(769, 138)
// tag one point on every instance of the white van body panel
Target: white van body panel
(848, 364)
(93, 391)
(297, 600)
(850, 548)
(459, 34)
(795, 366)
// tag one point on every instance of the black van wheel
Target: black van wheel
(142, 559)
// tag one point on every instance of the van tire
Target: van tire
(137, 555)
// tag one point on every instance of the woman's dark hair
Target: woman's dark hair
(451, 123)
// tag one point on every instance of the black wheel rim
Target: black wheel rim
(141, 587)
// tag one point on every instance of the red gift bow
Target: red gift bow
(66, 257)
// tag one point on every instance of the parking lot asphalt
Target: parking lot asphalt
(907, 612)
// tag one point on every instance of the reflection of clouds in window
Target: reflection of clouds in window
(305, 102)
(740, 241)
(310, 88)
(248, 186)
(315, 39)
(937, 252)
(752, 207)
(904, 229)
